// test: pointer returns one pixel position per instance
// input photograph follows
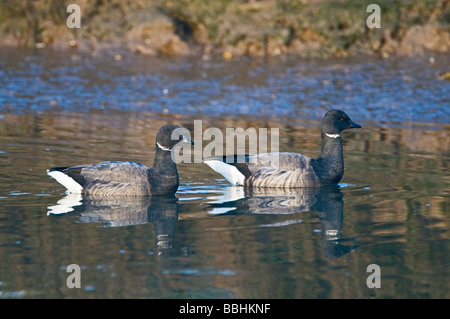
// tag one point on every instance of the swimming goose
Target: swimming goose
(126, 178)
(291, 169)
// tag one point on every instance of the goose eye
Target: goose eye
(342, 119)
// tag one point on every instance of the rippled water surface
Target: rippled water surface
(212, 240)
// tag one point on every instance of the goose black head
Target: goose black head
(336, 121)
(170, 135)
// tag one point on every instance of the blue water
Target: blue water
(372, 89)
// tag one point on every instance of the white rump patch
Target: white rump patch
(66, 181)
(230, 172)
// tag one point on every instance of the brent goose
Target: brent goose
(126, 178)
(291, 169)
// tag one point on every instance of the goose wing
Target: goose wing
(267, 170)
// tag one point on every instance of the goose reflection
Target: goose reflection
(162, 211)
(327, 201)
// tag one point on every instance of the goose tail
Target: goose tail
(65, 180)
(229, 172)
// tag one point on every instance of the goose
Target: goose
(117, 178)
(287, 169)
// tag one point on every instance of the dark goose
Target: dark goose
(119, 178)
(291, 169)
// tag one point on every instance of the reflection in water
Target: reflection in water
(328, 201)
(162, 211)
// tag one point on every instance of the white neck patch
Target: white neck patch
(163, 147)
(333, 135)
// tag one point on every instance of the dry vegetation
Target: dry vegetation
(317, 28)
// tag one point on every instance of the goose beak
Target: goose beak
(187, 140)
(354, 125)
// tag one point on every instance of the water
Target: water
(212, 240)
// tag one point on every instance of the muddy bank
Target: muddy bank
(315, 28)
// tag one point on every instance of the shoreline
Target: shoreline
(419, 41)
